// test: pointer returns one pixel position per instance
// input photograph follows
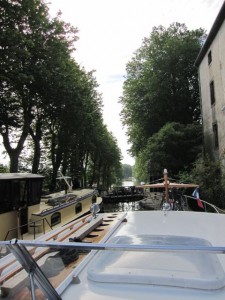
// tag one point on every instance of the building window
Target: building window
(78, 208)
(215, 136)
(212, 92)
(55, 218)
(209, 57)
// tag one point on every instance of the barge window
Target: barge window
(78, 208)
(11, 192)
(17, 193)
(56, 218)
(6, 203)
(34, 194)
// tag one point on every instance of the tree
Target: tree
(49, 103)
(174, 147)
(105, 165)
(127, 171)
(209, 175)
(162, 83)
(28, 41)
(58, 87)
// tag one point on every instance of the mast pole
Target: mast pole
(166, 183)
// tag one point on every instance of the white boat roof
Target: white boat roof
(159, 269)
(8, 176)
(157, 275)
(153, 255)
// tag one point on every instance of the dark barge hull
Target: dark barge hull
(126, 198)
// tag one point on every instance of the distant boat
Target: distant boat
(165, 193)
(123, 194)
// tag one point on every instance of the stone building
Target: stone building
(211, 66)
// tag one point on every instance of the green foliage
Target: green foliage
(174, 147)
(141, 168)
(50, 117)
(105, 167)
(162, 83)
(210, 176)
(32, 50)
(162, 88)
(3, 169)
(127, 171)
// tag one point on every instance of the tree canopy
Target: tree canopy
(171, 146)
(161, 87)
(127, 171)
(50, 116)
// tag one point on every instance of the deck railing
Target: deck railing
(19, 249)
(34, 224)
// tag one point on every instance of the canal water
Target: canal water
(128, 183)
(122, 206)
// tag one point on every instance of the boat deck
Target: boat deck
(139, 254)
(60, 199)
(31, 236)
(56, 265)
(154, 268)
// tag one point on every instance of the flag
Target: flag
(196, 195)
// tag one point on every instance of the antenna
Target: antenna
(66, 181)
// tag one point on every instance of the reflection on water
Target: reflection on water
(120, 206)
(128, 183)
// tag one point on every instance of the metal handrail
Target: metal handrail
(33, 222)
(19, 250)
(119, 247)
(217, 209)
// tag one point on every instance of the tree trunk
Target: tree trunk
(65, 162)
(14, 161)
(14, 153)
(37, 148)
(56, 155)
(85, 169)
(94, 176)
(37, 156)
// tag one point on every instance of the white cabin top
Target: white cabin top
(153, 274)
(153, 255)
(13, 176)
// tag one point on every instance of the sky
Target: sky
(110, 31)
